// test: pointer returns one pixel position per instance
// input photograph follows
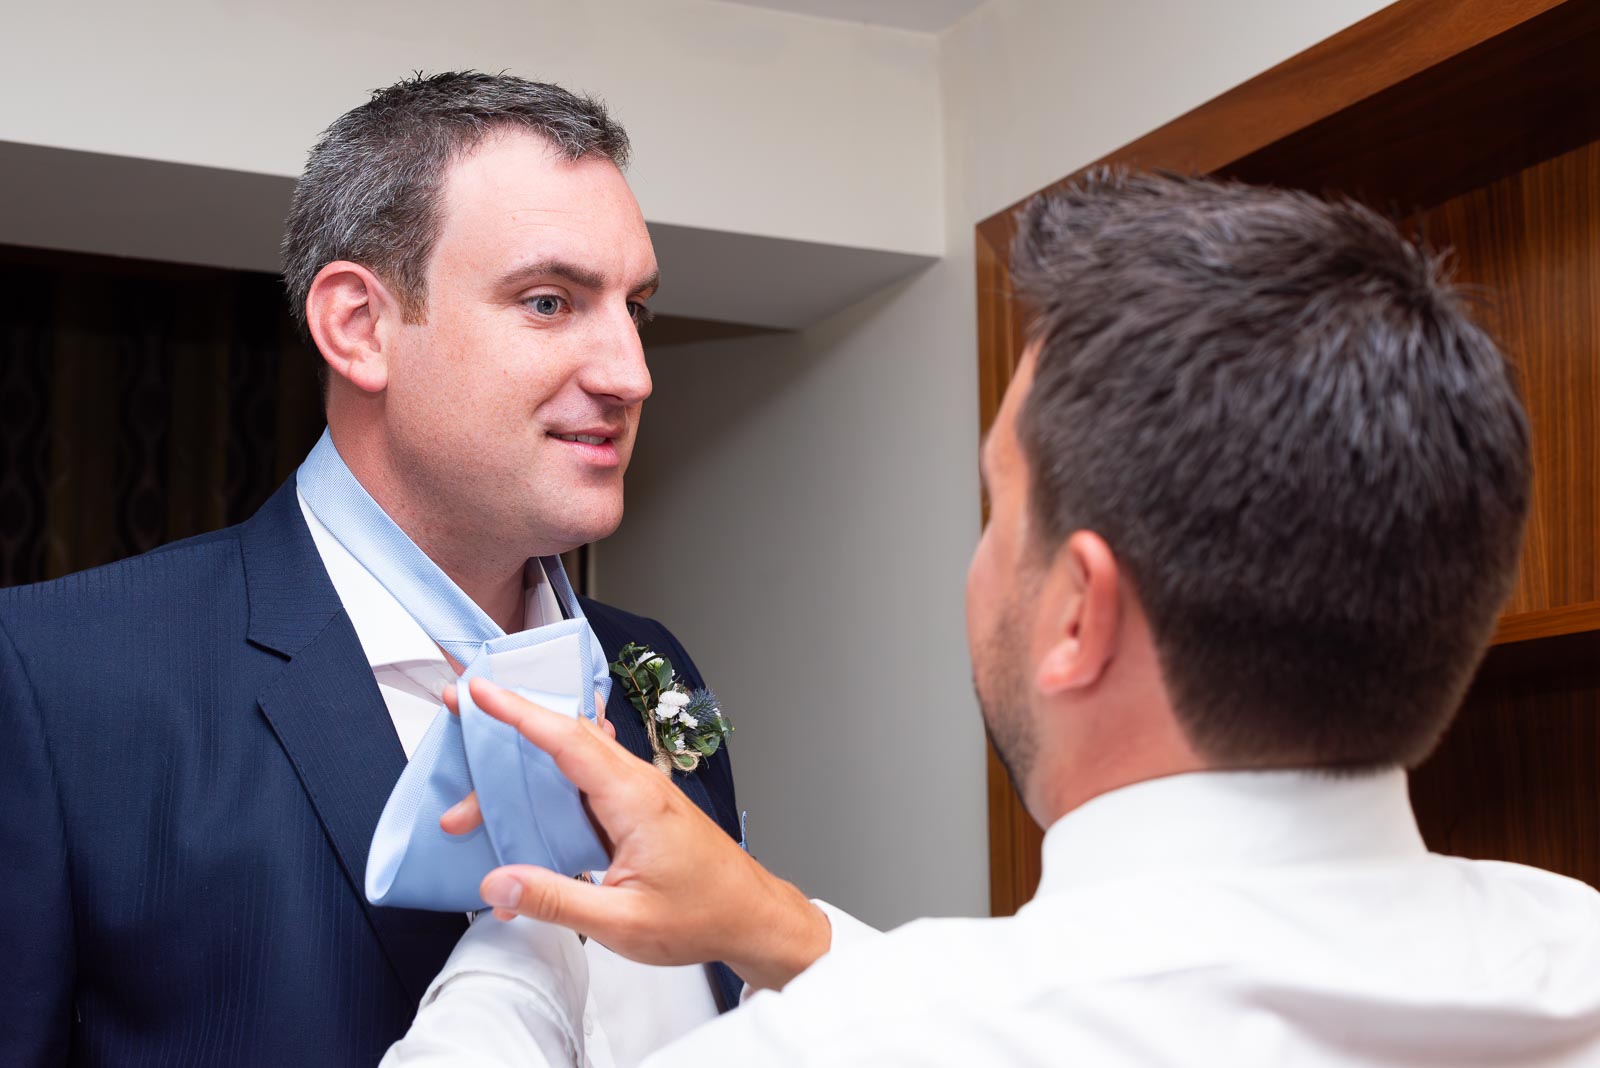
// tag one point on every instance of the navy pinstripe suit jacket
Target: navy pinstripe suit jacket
(193, 756)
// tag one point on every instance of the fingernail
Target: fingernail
(502, 891)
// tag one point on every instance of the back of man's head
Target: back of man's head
(371, 188)
(1309, 461)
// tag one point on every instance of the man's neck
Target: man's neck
(487, 573)
(504, 600)
(1143, 741)
(495, 581)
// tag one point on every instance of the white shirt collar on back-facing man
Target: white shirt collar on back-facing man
(1264, 918)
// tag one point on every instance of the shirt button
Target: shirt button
(588, 1024)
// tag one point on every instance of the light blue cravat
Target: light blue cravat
(531, 813)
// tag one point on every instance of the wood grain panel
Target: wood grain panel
(1523, 96)
(999, 332)
(1531, 244)
(1015, 842)
(1517, 627)
(1388, 48)
(1518, 776)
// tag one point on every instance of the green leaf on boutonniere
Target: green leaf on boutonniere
(684, 726)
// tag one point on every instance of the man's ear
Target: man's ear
(1081, 610)
(350, 314)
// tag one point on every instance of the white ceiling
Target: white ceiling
(923, 16)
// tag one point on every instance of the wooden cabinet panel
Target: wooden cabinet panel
(1518, 776)
(1530, 244)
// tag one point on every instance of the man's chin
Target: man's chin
(588, 529)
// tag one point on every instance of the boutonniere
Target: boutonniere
(685, 726)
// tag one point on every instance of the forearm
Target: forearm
(513, 994)
(485, 1022)
(782, 934)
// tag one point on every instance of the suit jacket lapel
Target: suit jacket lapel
(326, 710)
(631, 735)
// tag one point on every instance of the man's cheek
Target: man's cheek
(973, 592)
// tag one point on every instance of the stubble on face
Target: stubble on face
(999, 605)
(1000, 679)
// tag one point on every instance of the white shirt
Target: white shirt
(630, 1009)
(1239, 919)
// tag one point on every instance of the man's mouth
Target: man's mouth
(595, 445)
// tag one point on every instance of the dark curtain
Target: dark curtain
(140, 403)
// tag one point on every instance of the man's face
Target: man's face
(514, 406)
(1000, 607)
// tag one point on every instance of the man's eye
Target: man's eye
(640, 313)
(546, 304)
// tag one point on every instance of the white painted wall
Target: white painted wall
(800, 513)
(1042, 87)
(803, 506)
(740, 116)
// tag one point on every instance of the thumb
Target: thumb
(541, 894)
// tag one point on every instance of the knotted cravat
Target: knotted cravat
(531, 813)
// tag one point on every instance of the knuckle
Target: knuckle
(541, 901)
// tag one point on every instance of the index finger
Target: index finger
(584, 754)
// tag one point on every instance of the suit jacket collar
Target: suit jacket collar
(291, 600)
(326, 710)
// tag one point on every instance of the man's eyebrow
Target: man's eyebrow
(584, 277)
(647, 285)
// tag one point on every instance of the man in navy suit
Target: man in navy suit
(196, 744)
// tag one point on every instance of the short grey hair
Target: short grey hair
(370, 191)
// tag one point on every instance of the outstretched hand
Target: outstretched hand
(678, 891)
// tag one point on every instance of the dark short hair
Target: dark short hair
(1312, 465)
(370, 192)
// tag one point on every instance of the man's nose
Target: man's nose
(616, 366)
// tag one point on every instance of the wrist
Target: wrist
(784, 937)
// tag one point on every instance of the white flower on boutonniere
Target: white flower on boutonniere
(684, 726)
(672, 705)
(653, 661)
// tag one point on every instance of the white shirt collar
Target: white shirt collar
(1229, 820)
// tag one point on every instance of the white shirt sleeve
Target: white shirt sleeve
(511, 994)
(515, 995)
(847, 930)
(799, 1026)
